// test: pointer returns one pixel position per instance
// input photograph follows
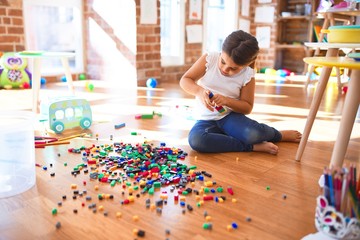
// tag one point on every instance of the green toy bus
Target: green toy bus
(67, 112)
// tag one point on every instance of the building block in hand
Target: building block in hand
(220, 109)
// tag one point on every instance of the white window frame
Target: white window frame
(177, 60)
(234, 21)
(79, 47)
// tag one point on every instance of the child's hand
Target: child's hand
(219, 100)
(203, 95)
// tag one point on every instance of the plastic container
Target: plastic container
(343, 34)
(17, 152)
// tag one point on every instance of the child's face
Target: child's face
(227, 66)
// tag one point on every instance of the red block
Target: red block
(208, 198)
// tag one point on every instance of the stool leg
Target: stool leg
(323, 80)
(69, 80)
(35, 82)
(351, 106)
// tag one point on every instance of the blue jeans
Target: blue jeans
(233, 133)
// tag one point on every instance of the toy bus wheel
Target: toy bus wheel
(58, 127)
(85, 123)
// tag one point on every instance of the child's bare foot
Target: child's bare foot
(267, 147)
(290, 136)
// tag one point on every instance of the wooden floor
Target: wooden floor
(274, 196)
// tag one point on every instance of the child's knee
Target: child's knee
(250, 137)
(197, 143)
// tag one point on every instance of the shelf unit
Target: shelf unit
(330, 18)
(292, 32)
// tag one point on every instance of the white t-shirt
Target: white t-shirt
(227, 86)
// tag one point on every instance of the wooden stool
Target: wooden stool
(348, 18)
(351, 105)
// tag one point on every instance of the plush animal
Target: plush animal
(14, 72)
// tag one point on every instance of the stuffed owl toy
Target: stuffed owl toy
(13, 71)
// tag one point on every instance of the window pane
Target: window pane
(59, 114)
(54, 28)
(220, 22)
(69, 113)
(172, 32)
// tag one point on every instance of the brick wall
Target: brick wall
(11, 26)
(194, 51)
(148, 56)
(114, 59)
(148, 59)
(266, 55)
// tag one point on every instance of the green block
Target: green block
(166, 176)
(206, 226)
(54, 211)
(164, 167)
(113, 182)
(221, 110)
(147, 116)
(154, 165)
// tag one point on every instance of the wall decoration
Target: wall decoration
(148, 12)
(244, 25)
(195, 9)
(194, 33)
(264, 14)
(263, 36)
